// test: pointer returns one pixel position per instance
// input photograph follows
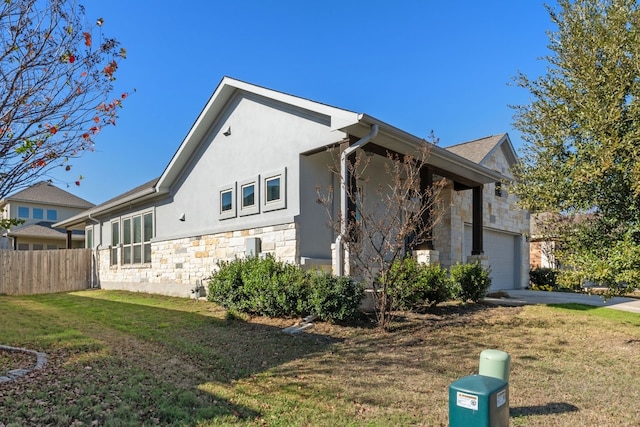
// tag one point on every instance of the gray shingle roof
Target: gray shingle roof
(44, 192)
(43, 230)
(477, 150)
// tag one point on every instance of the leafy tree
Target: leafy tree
(581, 160)
(56, 80)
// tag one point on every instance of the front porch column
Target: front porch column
(476, 245)
(69, 245)
(426, 187)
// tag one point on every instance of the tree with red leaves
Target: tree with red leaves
(56, 79)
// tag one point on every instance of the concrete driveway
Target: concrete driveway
(523, 297)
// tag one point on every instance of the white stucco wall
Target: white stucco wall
(265, 137)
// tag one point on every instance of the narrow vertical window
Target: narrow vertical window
(137, 240)
(89, 238)
(147, 235)
(126, 241)
(115, 242)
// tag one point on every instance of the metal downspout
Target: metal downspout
(95, 256)
(343, 195)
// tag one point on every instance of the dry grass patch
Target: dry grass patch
(126, 359)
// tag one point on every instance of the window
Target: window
(227, 203)
(51, 247)
(38, 213)
(23, 246)
(38, 246)
(137, 232)
(274, 190)
(115, 241)
(23, 212)
(52, 215)
(126, 241)
(88, 237)
(249, 197)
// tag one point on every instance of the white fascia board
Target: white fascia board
(81, 218)
(439, 156)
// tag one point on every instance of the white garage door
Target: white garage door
(502, 252)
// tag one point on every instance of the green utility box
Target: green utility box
(479, 401)
(495, 363)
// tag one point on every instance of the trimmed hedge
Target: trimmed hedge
(471, 281)
(416, 285)
(267, 287)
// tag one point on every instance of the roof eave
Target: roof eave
(133, 199)
(438, 157)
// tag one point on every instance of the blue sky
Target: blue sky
(418, 65)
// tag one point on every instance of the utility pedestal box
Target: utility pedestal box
(479, 401)
(495, 363)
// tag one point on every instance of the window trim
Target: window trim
(231, 213)
(280, 203)
(252, 209)
(143, 244)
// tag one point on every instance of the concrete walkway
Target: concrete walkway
(523, 297)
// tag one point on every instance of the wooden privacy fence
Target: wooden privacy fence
(43, 272)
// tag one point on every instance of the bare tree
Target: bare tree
(56, 77)
(391, 213)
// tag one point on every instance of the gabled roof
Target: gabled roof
(480, 149)
(345, 121)
(139, 194)
(47, 193)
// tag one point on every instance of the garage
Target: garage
(503, 253)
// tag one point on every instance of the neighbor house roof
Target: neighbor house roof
(44, 230)
(46, 193)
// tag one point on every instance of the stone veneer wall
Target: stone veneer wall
(178, 265)
(500, 213)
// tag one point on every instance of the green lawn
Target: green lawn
(119, 358)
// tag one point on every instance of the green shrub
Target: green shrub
(471, 281)
(543, 278)
(334, 298)
(267, 287)
(414, 284)
(226, 286)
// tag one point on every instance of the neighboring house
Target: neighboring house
(40, 206)
(243, 181)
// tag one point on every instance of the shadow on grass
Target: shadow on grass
(575, 306)
(140, 363)
(548, 409)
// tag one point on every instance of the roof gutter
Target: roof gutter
(339, 244)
